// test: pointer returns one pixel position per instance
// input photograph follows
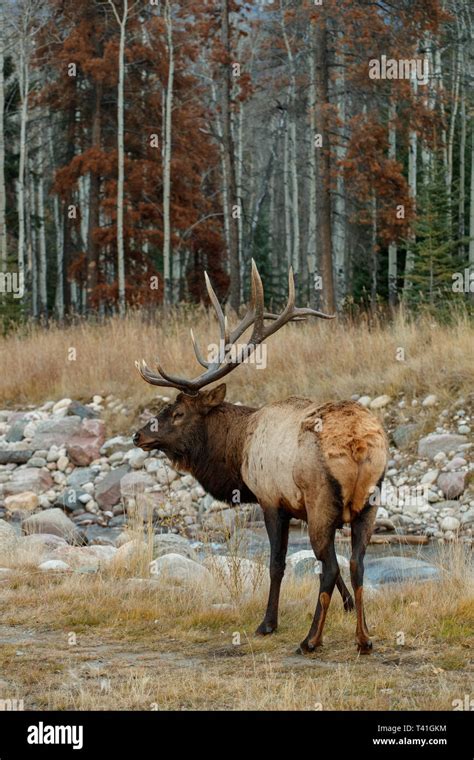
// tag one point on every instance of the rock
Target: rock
(55, 565)
(467, 518)
(64, 403)
(62, 464)
(239, 575)
(118, 443)
(16, 432)
(452, 484)
(180, 569)
(107, 491)
(28, 479)
(17, 456)
(456, 463)
(79, 558)
(8, 536)
(172, 543)
(164, 473)
(379, 402)
(52, 521)
(437, 443)
(26, 501)
(398, 569)
(364, 400)
(70, 500)
(55, 432)
(449, 523)
(131, 554)
(304, 562)
(136, 458)
(430, 400)
(82, 411)
(464, 429)
(105, 554)
(37, 462)
(430, 477)
(84, 447)
(404, 434)
(135, 482)
(41, 542)
(80, 476)
(224, 520)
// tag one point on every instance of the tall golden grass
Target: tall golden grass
(322, 359)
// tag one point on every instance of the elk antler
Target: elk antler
(226, 361)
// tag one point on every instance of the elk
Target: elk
(317, 463)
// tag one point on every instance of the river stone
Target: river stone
(449, 523)
(84, 447)
(16, 456)
(16, 432)
(70, 499)
(77, 557)
(398, 569)
(42, 542)
(28, 479)
(55, 565)
(172, 543)
(436, 443)
(380, 402)
(175, 567)
(403, 434)
(55, 432)
(80, 476)
(107, 491)
(8, 536)
(82, 411)
(52, 521)
(26, 501)
(452, 484)
(135, 482)
(118, 443)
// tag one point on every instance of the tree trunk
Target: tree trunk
(295, 254)
(42, 264)
(462, 171)
(229, 159)
(323, 155)
(471, 209)
(24, 86)
(412, 172)
(122, 22)
(392, 248)
(168, 107)
(311, 253)
(3, 225)
(339, 210)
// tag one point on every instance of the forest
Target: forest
(143, 143)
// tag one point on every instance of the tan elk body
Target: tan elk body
(318, 463)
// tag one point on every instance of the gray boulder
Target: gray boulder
(398, 570)
(435, 443)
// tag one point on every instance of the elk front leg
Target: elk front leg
(361, 530)
(277, 523)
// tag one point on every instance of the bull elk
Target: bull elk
(317, 463)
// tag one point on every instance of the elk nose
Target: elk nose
(136, 438)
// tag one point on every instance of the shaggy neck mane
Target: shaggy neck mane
(215, 460)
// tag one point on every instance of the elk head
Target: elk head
(180, 426)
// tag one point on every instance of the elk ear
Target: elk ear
(214, 397)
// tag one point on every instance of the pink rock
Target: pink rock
(83, 447)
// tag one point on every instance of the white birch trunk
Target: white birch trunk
(412, 172)
(293, 156)
(312, 178)
(42, 264)
(23, 86)
(339, 220)
(287, 195)
(471, 208)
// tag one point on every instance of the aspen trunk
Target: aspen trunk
(24, 87)
(412, 172)
(42, 264)
(392, 248)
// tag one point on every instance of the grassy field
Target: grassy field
(321, 359)
(105, 642)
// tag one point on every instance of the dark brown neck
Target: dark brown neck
(216, 463)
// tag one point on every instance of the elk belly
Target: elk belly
(268, 462)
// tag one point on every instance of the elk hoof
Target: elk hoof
(264, 629)
(349, 605)
(365, 647)
(306, 648)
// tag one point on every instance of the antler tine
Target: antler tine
(218, 308)
(197, 351)
(258, 304)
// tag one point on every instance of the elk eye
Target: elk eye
(178, 415)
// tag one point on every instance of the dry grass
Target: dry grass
(155, 647)
(323, 360)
